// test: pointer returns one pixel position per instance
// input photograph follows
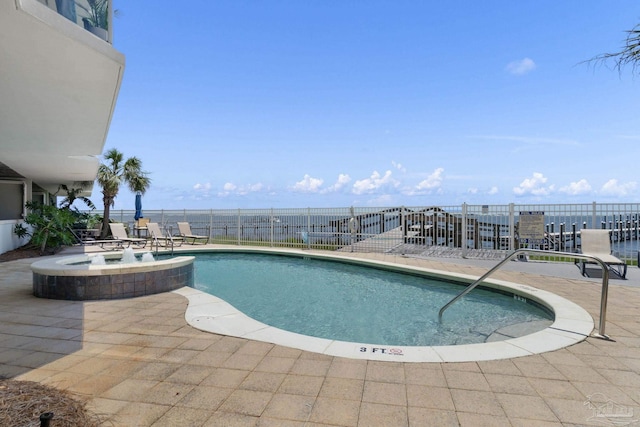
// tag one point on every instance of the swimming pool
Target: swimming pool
(210, 313)
(347, 302)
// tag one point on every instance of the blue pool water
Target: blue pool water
(348, 302)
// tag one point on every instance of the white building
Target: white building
(59, 82)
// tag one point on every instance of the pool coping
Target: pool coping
(67, 265)
(572, 324)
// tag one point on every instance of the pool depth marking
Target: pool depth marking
(394, 351)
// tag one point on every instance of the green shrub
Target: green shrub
(50, 227)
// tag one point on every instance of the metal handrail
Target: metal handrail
(155, 240)
(605, 281)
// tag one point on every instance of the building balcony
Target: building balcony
(59, 89)
(94, 16)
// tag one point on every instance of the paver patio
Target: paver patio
(139, 363)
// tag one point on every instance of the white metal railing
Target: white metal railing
(463, 230)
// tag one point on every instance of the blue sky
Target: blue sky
(291, 103)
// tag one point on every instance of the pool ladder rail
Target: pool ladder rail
(169, 241)
(603, 297)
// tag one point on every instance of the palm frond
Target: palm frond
(629, 55)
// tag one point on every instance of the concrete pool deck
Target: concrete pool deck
(138, 362)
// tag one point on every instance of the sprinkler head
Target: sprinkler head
(45, 418)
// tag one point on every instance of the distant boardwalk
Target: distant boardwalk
(393, 242)
(389, 239)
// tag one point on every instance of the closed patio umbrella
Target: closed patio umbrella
(138, 214)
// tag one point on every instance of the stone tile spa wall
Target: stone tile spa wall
(72, 282)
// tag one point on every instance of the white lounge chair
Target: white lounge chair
(597, 243)
(160, 238)
(185, 232)
(120, 233)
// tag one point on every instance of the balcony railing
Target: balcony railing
(94, 16)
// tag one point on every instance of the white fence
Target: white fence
(464, 230)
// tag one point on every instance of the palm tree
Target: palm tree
(75, 193)
(115, 172)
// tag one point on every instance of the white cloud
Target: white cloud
(242, 190)
(398, 166)
(577, 188)
(373, 183)
(433, 181)
(254, 188)
(534, 186)
(308, 185)
(472, 190)
(613, 188)
(343, 179)
(429, 185)
(521, 67)
(202, 187)
(493, 190)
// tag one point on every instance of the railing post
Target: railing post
(309, 227)
(403, 225)
(352, 228)
(464, 230)
(512, 227)
(210, 225)
(271, 231)
(238, 232)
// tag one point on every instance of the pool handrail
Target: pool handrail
(605, 282)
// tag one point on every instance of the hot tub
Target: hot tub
(76, 278)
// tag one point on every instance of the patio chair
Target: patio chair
(120, 233)
(597, 243)
(141, 225)
(87, 239)
(185, 233)
(160, 238)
